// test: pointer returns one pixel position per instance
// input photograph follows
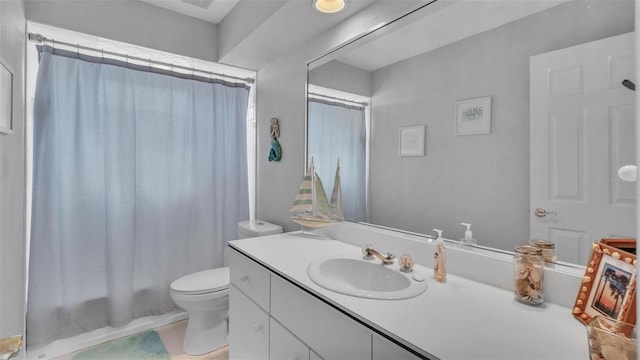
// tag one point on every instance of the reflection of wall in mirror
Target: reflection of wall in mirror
(483, 180)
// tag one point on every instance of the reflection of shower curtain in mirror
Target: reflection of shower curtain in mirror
(139, 178)
(338, 131)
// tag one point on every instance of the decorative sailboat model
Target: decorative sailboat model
(310, 208)
(336, 196)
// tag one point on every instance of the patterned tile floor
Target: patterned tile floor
(172, 336)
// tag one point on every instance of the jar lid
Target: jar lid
(528, 250)
(542, 244)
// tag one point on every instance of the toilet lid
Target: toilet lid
(202, 282)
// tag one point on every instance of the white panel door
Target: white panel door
(582, 129)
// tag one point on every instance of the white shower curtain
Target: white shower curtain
(139, 178)
(338, 131)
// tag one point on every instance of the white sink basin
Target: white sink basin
(365, 278)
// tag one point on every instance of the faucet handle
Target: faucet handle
(390, 256)
(406, 263)
(366, 252)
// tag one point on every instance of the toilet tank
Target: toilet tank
(253, 228)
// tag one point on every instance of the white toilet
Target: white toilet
(205, 295)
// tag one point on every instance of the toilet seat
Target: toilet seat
(202, 282)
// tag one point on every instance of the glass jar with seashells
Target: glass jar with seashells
(611, 340)
(528, 275)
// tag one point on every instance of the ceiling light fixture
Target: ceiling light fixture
(329, 6)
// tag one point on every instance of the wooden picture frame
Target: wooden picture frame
(625, 244)
(608, 286)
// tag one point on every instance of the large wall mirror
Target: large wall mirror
(481, 112)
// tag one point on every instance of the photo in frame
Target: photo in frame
(473, 116)
(608, 286)
(412, 140)
(6, 98)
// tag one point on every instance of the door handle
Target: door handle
(540, 212)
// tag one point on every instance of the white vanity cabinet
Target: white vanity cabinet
(288, 323)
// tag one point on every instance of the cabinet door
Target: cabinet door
(248, 328)
(328, 332)
(284, 346)
(384, 349)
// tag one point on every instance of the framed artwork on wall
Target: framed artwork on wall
(6, 98)
(412, 140)
(473, 116)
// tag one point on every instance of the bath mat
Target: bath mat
(146, 345)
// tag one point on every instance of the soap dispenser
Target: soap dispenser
(439, 270)
(468, 236)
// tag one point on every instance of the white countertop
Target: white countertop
(459, 319)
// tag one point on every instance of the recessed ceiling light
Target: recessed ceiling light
(329, 6)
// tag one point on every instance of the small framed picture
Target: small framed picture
(6, 98)
(473, 116)
(412, 140)
(608, 286)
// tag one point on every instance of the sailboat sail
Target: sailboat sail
(310, 207)
(336, 196)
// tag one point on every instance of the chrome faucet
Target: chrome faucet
(369, 252)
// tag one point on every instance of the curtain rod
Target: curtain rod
(363, 103)
(40, 39)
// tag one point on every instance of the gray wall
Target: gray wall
(12, 177)
(340, 76)
(480, 179)
(133, 22)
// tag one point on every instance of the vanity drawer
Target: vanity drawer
(331, 334)
(250, 278)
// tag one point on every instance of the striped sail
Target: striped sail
(310, 207)
(336, 196)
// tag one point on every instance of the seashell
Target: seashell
(577, 310)
(584, 289)
(584, 316)
(606, 251)
(582, 296)
(627, 260)
(535, 276)
(590, 270)
(609, 351)
(579, 302)
(586, 279)
(595, 246)
(616, 255)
